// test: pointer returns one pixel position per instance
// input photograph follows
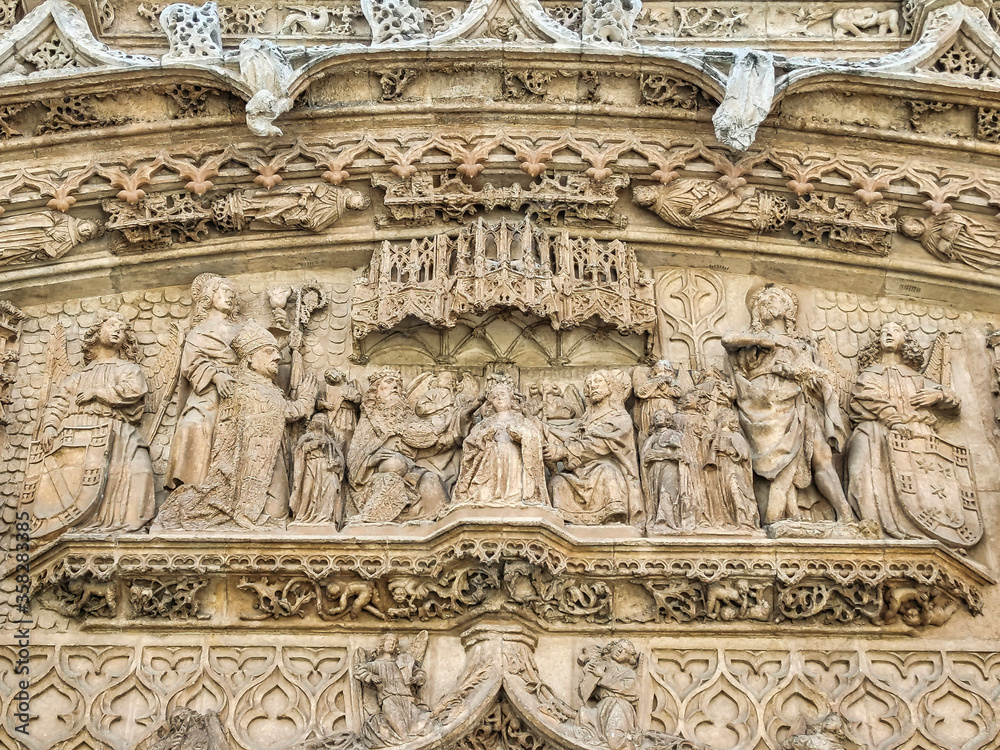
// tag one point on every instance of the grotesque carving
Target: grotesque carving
(954, 237)
(387, 483)
(502, 456)
(553, 275)
(393, 20)
(41, 236)
(788, 407)
(266, 70)
(175, 600)
(312, 207)
(247, 483)
(390, 681)
(188, 730)
(90, 466)
(610, 21)
(598, 481)
(902, 475)
(206, 375)
(194, 33)
(711, 207)
(748, 99)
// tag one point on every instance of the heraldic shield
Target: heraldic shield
(64, 487)
(933, 481)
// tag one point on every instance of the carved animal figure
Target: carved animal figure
(313, 21)
(857, 20)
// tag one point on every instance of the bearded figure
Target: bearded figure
(381, 461)
(595, 472)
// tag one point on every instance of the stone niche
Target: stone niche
(500, 375)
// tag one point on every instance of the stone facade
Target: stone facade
(499, 374)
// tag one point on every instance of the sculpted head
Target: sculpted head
(644, 195)
(664, 367)
(773, 303)
(913, 227)
(596, 388)
(891, 337)
(623, 652)
(213, 292)
(333, 376)
(447, 379)
(663, 420)
(257, 349)
(385, 388)
(111, 332)
(388, 644)
(501, 397)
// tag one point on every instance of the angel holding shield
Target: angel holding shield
(90, 467)
(901, 474)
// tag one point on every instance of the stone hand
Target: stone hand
(553, 452)
(902, 429)
(47, 438)
(224, 384)
(926, 397)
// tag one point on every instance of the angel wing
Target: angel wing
(418, 647)
(57, 365)
(844, 376)
(163, 373)
(938, 364)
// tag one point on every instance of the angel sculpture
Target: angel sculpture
(901, 474)
(788, 408)
(390, 688)
(205, 375)
(610, 693)
(90, 467)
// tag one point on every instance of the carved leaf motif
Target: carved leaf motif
(722, 716)
(63, 705)
(314, 668)
(96, 668)
(875, 717)
(204, 694)
(957, 717)
(271, 712)
(981, 671)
